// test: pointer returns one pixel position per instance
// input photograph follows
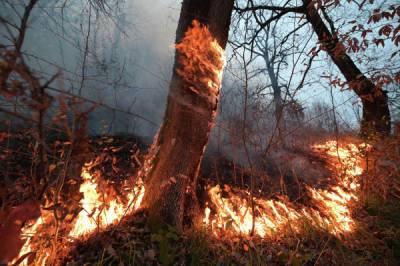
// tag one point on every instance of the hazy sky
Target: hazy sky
(145, 55)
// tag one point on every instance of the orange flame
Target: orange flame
(27, 233)
(201, 61)
(332, 210)
(94, 217)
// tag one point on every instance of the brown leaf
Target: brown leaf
(150, 254)
(51, 168)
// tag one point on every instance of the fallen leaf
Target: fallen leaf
(150, 254)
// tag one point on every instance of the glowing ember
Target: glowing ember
(94, 214)
(201, 61)
(234, 213)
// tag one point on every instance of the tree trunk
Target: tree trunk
(279, 115)
(376, 115)
(172, 165)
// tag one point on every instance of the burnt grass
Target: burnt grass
(130, 242)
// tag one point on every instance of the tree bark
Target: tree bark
(172, 165)
(376, 115)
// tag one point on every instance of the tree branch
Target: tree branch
(296, 9)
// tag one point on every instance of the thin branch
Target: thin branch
(296, 9)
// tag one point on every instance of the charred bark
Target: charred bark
(376, 115)
(171, 168)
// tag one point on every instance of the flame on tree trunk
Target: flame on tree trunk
(376, 115)
(172, 164)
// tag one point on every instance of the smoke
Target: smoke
(153, 37)
(122, 59)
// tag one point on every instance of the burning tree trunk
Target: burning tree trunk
(376, 115)
(171, 168)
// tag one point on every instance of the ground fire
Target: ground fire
(94, 216)
(331, 208)
(99, 211)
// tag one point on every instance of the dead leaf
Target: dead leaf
(51, 168)
(111, 251)
(150, 254)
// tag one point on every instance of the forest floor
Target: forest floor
(375, 239)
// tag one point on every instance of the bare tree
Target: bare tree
(376, 115)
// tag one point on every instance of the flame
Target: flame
(27, 234)
(201, 61)
(93, 216)
(331, 206)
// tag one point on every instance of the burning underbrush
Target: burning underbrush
(232, 210)
(75, 207)
(108, 229)
(51, 236)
